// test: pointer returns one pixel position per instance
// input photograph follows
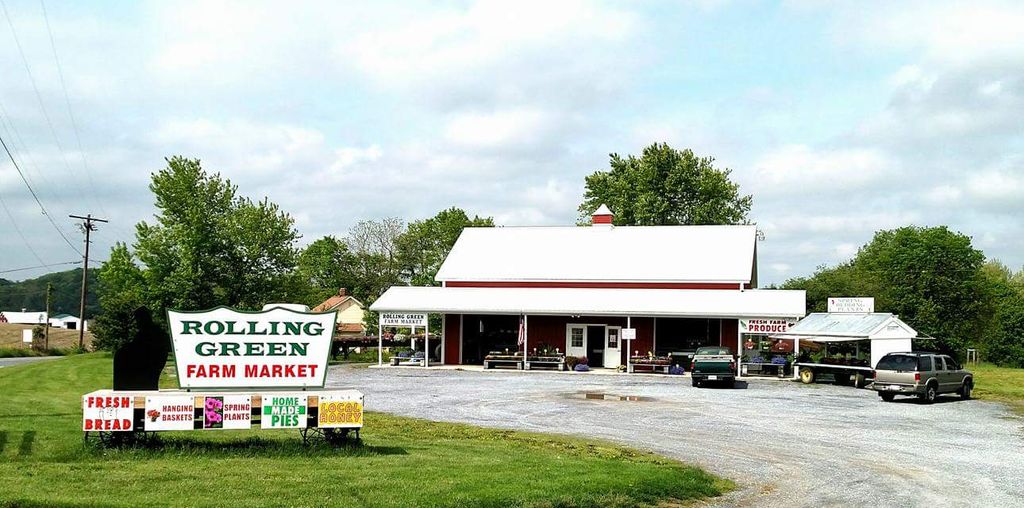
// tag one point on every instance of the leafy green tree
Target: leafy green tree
(207, 247)
(122, 290)
(210, 246)
(1004, 336)
(325, 266)
(840, 280)
(932, 279)
(665, 186)
(426, 243)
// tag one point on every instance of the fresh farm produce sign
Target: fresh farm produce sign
(227, 348)
(765, 325)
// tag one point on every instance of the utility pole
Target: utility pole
(49, 297)
(87, 227)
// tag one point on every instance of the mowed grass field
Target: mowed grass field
(1000, 384)
(10, 337)
(400, 462)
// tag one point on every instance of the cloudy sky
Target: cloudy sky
(841, 118)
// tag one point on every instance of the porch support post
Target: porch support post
(380, 342)
(426, 343)
(739, 349)
(796, 354)
(526, 337)
(629, 343)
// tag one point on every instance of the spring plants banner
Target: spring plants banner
(228, 348)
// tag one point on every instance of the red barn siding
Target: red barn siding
(452, 339)
(730, 327)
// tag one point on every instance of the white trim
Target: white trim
(462, 331)
(444, 335)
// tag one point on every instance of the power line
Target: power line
(34, 196)
(14, 223)
(35, 88)
(71, 114)
(37, 267)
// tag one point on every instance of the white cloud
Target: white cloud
(795, 168)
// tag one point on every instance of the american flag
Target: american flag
(522, 334)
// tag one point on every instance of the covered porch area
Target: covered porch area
(610, 327)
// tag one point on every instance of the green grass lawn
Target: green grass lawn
(401, 462)
(1001, 384)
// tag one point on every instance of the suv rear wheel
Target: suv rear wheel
(965, 390)
(930, 392)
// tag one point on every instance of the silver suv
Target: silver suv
(925, 375)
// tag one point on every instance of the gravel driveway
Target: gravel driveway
(784, 443)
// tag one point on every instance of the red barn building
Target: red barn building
(576, 288)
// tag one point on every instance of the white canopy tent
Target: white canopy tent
(887, 333)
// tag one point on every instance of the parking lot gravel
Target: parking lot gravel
(784, 443)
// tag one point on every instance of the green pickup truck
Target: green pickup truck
(713, 364)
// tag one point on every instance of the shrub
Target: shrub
(570, 362)
(582, 361)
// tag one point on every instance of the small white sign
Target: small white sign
(629, 334)
(170, 412)
(393, 319)
(851, 305)
(107, 412)
(765, 325)
(26, 336)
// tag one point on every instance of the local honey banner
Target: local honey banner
(227, 348)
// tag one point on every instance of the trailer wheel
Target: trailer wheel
(860, 380)
(807, 375)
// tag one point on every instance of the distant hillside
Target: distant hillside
(31, 293)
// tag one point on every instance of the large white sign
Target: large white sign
(226, 348)
(851, 305)
(629, 334)
(765, 325)
(393, 319)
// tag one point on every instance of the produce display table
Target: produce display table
(549, 361)
(329, 413)
(648, 364)
(492, 361)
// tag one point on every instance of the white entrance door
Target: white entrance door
(575, 340)
(612, 346)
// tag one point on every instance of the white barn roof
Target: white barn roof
(591, 301)
(25, 318)
(709, 254)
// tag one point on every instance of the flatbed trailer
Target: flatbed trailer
(844, 374)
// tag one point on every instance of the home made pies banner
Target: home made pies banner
(276, 348)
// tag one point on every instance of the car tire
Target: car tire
(806, 375)
(696, 383)
(930, 392)
(965, 390)
(888, 397)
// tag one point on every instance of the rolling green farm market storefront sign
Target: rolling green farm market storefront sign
(237, 370)
(226, 348)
